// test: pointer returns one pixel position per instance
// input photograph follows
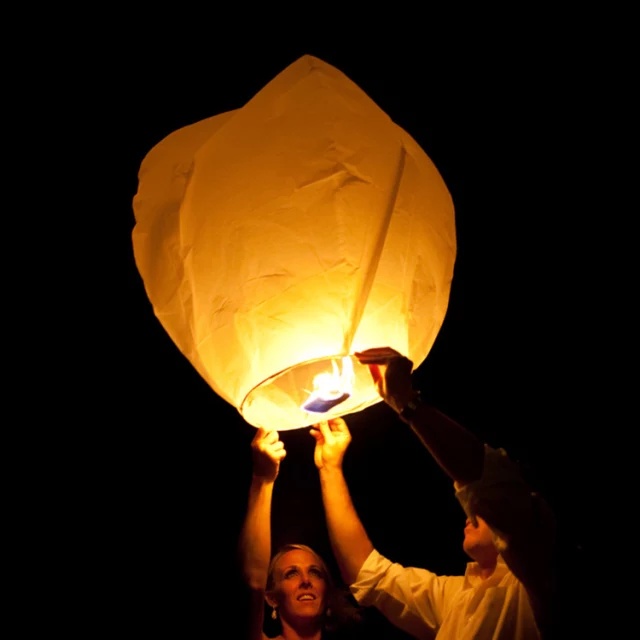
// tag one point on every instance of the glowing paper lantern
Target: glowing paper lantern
(277, 239)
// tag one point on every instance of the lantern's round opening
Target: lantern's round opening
(310, 392)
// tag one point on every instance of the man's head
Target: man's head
(478, 542)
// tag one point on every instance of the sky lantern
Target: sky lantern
(277, 239)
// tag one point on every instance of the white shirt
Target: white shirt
(447, 607)
(466, 607)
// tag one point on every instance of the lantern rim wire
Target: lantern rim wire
(332, 407)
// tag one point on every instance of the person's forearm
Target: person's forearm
(255, 535)
(458, 451)
(349, 540)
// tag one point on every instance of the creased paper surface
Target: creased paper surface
(295, 230)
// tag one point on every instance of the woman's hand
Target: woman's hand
(332, 439)
(267, 451)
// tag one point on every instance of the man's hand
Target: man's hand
(394, 380)
(332, 439)
(267, 451)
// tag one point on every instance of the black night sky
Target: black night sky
(498, 120)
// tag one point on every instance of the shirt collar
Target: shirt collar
(472, 573)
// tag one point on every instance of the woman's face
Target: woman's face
(299, 585)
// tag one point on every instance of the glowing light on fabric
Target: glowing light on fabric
(275, 240)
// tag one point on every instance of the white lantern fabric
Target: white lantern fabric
(277, 239)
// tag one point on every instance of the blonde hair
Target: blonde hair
(292, 547)
(339, 610)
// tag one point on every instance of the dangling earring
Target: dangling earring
(274, 613)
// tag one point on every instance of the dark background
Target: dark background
(503, 117)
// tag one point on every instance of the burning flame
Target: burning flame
(330, 389)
